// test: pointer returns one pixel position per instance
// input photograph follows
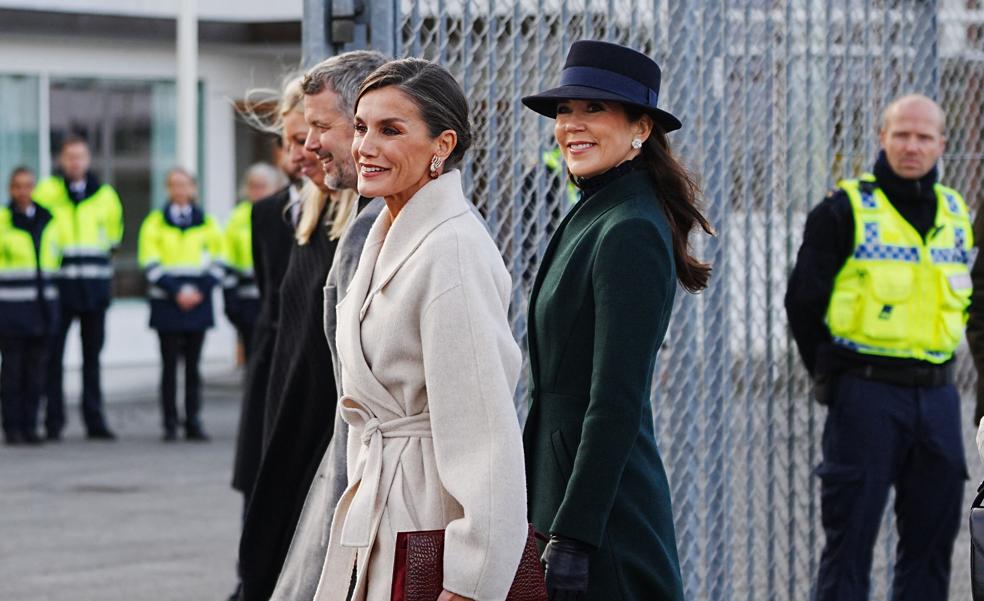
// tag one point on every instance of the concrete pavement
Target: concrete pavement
(133, 520)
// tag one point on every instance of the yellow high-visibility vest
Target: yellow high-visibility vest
(899, 295)
(89, 229)
(239, 238)
(20, 262)
(168, 253)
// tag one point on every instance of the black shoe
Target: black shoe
(13, 438)
(170, 435)
(53, 436)
(102, 433)
(196, 434)
(32, 438)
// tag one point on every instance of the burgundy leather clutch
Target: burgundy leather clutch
(418, 569)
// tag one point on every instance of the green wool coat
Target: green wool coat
(598, 314)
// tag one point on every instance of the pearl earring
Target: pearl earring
(436, 163)
(636, 143)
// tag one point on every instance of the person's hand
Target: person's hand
(565, 564)
(188, 298)
(449, 596)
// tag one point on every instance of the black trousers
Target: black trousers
(93, 326)
(186, 345)
(22, 372)
(878, 436)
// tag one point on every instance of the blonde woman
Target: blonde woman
(271, 240)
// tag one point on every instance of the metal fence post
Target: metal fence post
(384, 28)
(717, 331)
(315, 32)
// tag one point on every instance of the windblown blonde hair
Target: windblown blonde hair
(264, 109)
(341, 206)
(342, 203)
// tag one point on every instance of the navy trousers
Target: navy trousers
(174, 346)
(21, 379)
(93, 332)
(877, 436)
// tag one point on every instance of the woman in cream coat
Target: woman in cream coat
(429, 364)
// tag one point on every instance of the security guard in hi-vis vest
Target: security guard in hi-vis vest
(181, 251)
(30, 255)
(240, 292)
(92, 216)
(877, 304)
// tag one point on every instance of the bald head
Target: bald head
(912, 135)
(914, 102)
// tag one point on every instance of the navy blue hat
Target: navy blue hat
(604, 71)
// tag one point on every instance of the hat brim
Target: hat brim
(545, 103)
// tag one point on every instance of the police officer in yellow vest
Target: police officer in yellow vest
(92, 217)
(29, 259)
(877, 304)
(181, 253)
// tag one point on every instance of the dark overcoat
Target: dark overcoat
(273, 239)
(300, 414)
(598, 314)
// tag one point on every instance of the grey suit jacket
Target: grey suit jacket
(302, 568)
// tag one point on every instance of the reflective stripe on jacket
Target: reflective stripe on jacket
(242, 297)
(899, 295)
(89, 230)
(28, 264)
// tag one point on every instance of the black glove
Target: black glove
(565, 563)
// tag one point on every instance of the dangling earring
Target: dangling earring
(436, 163)
(636, 143)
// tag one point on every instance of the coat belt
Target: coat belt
(365, 511)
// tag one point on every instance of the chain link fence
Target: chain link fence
(780, 99)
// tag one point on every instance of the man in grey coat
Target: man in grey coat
(301, 570)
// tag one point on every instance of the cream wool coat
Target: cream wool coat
(429, 368)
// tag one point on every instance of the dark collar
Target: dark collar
(16, 211)
(900, 190)
(197, 217)
(92, 185)
(21, 220)
(590, 185)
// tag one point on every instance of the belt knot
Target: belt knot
(368, 491)
(370, 429)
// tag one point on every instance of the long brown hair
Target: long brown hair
(680, 194)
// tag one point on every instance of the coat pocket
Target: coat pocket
(562, 454)
(887, 305)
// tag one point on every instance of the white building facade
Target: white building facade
(107, 70)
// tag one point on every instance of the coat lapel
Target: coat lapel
(388, 246)
(360, 382)
(585, 213)
(439, 200)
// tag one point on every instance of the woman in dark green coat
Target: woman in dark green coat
(598, 313)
